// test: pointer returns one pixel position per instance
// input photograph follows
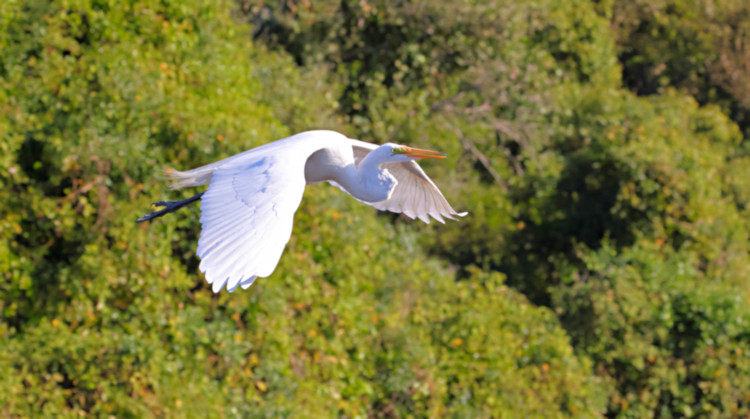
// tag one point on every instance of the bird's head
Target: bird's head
(401, 153)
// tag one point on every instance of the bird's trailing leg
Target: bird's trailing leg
(169, 206)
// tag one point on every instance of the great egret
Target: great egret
(248, 209)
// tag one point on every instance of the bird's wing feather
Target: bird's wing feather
(247, 215)
(415, 195)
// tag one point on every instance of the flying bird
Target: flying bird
(248, 210)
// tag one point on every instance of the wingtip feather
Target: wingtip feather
(217, 286)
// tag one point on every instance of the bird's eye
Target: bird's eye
(400, 150)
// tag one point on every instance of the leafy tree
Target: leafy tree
(700, 47)
(570, 177)
(102, 316)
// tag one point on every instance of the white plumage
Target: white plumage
(248, 209)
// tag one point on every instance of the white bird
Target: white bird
(248, 210)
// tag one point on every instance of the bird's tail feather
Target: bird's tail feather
(194, 177)
(200, 175)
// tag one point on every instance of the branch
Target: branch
(483, 160)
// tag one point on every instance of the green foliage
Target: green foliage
(671, 338)
(84, 94)
(382, 50)
(102, 316)
(603, 268)
(567, 176)
(634, 167)
(316, 338)
(701, 47)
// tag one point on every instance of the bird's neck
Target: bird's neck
(368, 182)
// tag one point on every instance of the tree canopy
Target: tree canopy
(599, 146)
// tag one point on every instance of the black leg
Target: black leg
(169, 206)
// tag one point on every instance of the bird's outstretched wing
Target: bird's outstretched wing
(247, 218)
(415, 195)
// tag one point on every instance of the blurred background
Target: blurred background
(601, 148)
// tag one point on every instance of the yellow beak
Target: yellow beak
(418, 153)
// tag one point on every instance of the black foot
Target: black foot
(169, 206)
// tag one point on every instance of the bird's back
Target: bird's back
(295, 149)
